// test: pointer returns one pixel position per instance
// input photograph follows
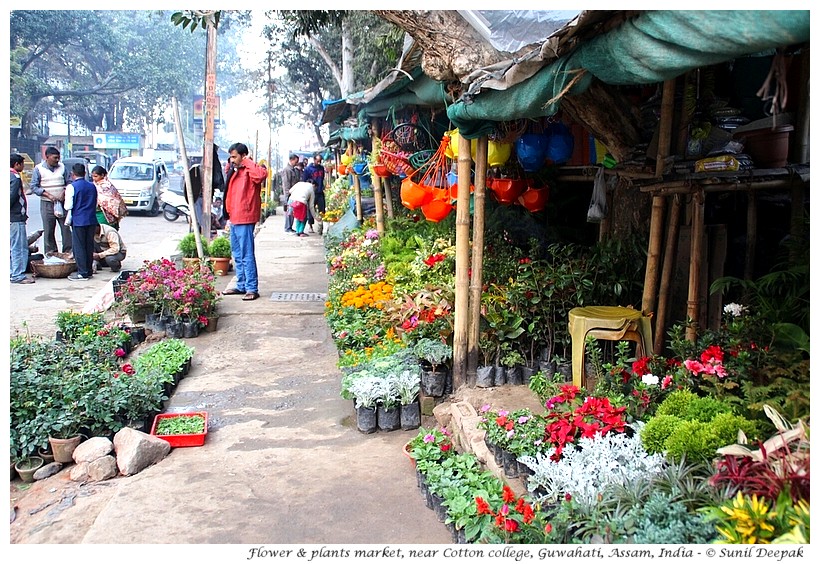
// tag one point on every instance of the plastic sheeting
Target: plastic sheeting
(650, 48)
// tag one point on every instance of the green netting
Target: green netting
(650, 48)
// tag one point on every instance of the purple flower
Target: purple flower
(485, 408)
(428, 438)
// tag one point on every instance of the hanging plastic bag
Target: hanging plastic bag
(597, 205)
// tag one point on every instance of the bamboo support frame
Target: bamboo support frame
(377, 184)
(650, 285)
(477, 271)
(665, 126)
(695, 261)
(462, 265)
(669, 257)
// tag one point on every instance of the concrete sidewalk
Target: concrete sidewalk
(283, 462)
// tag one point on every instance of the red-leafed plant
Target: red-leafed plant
(779, 464)
(572, 416)
(515, 521)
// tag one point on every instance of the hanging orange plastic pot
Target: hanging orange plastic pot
(535, 199)
(414, 195)
(439, 206)
(342, 169)
(454, 191)
(507, 190)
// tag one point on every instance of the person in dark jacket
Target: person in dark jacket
(18, 244)
(315, 174)
(81, 203)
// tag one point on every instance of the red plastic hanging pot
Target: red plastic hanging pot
(381, 170)
(535, 199)
(414, 195)
(506, 190)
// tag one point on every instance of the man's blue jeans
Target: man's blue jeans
(244, 257)
(18, 250)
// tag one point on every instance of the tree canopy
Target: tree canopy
(110, 69)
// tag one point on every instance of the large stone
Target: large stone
(136, 450)
(92, 449)
(102, 468)
(79, 472)
(47, 470)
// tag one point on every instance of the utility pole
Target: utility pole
(209, 111)
(271, 168)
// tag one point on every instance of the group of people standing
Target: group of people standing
(303, 189)
(86, 213)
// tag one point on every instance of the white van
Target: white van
(139, 181)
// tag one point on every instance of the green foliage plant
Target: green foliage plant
(187, 246)
(72, 324)
(433, 351)
(220, 247)
(181, 425)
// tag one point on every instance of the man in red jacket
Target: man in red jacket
(243, 206)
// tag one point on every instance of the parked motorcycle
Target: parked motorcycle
(174, 205)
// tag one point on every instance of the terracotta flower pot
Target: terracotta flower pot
(63, 449)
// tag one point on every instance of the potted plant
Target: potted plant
(26, 467)
(388, 413)
(219, 252)
(366, 390)
(408, 385)
(432, 354)
(513, 361)
(181, 429)
(188, 248)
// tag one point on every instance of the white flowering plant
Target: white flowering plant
(639, 384)
(588, 468)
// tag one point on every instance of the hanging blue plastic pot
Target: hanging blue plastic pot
(531, 150)
(561, 143)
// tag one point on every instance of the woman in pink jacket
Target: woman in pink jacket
(243, 206)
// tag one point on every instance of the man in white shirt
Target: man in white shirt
(109, 250)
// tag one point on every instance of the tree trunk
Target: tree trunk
(451, 47)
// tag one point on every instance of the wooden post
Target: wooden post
(357, 191)
(476, 273)
(650, 284)
(210, 111)
(188, 186)
(462, 265)
(695, 261)
(665, 126)
(377, 185)
(388, 198)
(669, 259)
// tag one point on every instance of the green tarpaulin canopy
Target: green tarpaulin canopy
(652, 47)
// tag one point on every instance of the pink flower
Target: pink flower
(120, 353)
(667, 380)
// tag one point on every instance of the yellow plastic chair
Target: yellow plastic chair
(610, 323)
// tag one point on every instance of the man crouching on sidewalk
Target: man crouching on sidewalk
(109, 250)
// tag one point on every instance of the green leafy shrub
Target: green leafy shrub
(220, 247)
(726, 426)
(706, 408)
(693, 440)
(677, 403)
(657, 430)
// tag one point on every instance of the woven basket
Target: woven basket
(53, 270)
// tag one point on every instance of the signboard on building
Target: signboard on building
(104, 140)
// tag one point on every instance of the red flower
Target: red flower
(712, 353)
(128, 369)
(482, 507)
(548, 528)
(445, 447)
(528, 514)
(507, 494)
(510, 525)
(120, 353)
(641, 366)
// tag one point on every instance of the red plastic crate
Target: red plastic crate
(181, 440)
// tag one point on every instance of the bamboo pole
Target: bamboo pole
(357, 191)
(477, 270)
(650, 284)
(188, 186)
(388, 198)
(695, 260)
(665, 126)
(377, 185)
(462, 265)
(669, 258)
